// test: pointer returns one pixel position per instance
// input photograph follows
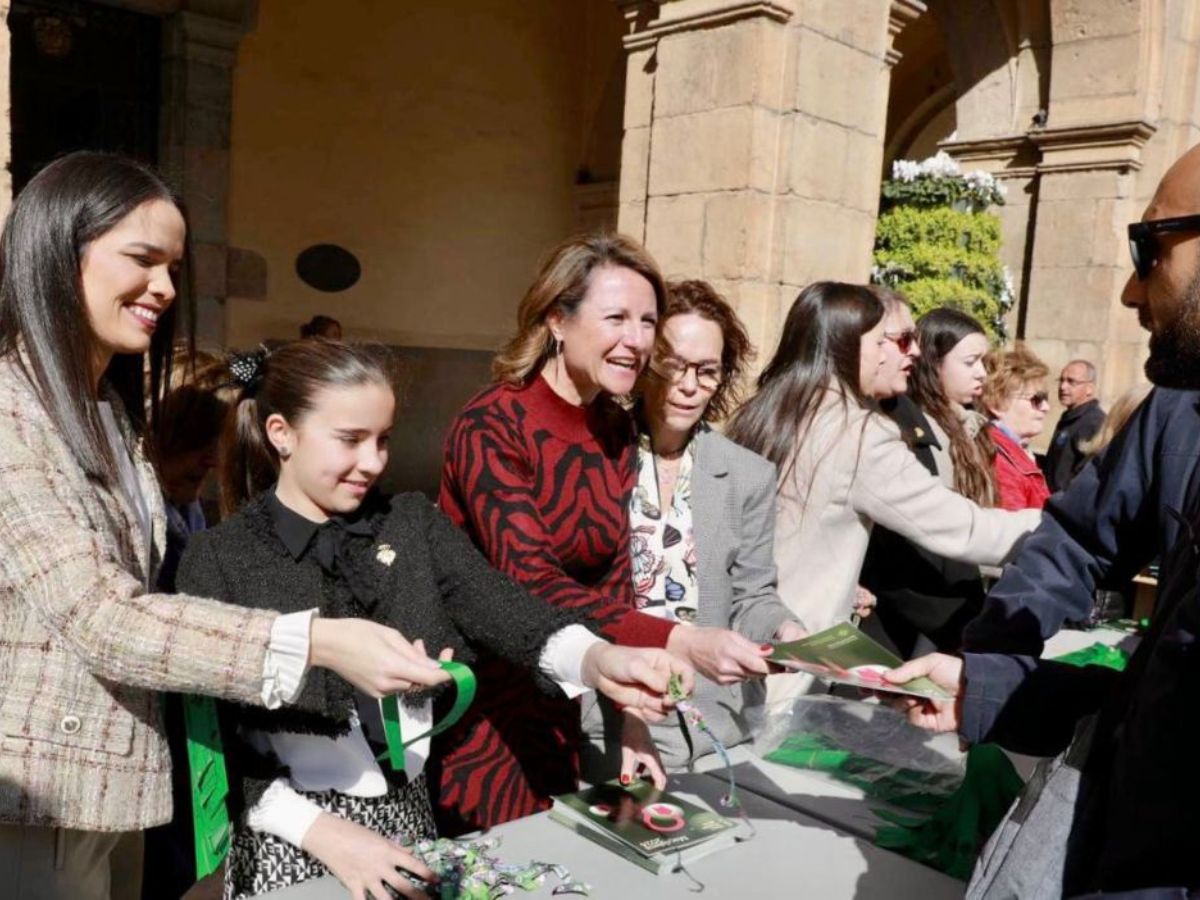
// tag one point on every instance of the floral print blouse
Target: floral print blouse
(662, 546)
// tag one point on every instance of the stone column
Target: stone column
(200, 51)
(753, 144)
(5, 106)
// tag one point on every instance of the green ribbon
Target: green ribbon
(464, 684)
(209, 782)
(1097, 654)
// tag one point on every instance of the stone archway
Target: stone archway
(200, 39)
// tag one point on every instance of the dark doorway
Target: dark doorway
(84, 77)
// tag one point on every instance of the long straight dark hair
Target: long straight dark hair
(286, 381)
(939, 332)
(820, 348)
(43, 317)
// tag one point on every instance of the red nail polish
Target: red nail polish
(766, 647)
(624, 779)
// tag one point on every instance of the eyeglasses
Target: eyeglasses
(1143, 244)
(904, 340)
(1041, 398)
(674, 369)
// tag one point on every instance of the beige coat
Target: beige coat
(854, 470)
(83, 648)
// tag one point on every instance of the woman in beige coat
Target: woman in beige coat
(843, 466)
(90, 253)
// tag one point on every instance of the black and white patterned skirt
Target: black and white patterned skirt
(261, 862)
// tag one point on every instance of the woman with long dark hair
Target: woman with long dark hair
(947, 384)
(925, 600)
(91, 251)
(843, 465)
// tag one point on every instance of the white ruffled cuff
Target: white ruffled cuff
(286, 662)
(283, 812)
(562, 658)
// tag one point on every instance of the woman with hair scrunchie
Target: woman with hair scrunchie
(91, 252)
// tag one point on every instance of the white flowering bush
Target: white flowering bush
(939, 180)
(937, 244)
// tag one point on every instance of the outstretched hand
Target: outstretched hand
(932, 715)
(374, 658)
(635, 677)
(719, 654)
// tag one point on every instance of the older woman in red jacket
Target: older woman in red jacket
(1017, 401)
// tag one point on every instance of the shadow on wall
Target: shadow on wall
(435, 385)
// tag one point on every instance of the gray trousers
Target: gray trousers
(64, 864)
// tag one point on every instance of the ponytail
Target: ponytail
(286, 381)
(249, 462)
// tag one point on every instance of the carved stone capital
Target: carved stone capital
(900, 15)
(1102, 145)
(672, 16)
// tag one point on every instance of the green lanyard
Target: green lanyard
(210, 783)
(464, 683)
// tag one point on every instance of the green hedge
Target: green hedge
(943, 255)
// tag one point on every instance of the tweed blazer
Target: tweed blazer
(733, 523)
(83, 648)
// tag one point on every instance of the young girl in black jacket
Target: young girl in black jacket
(307, 443)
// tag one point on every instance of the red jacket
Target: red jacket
(1020, 484)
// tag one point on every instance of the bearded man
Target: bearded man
(1119, 811)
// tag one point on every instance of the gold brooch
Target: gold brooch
(385, 554)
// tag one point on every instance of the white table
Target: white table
(791, 855)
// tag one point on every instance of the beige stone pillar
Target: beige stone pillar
(753, 144)
(5, 106)
(199, 53)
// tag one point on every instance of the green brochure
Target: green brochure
(649, 827)
(844, 655)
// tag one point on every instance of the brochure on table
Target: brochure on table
(638, 822)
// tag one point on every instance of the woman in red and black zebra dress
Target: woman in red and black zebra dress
(539, 470)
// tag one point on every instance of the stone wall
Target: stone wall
(753, 144)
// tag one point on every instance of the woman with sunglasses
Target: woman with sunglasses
(923, 599)
(843, 466)
(1016, 399)
(702, 525)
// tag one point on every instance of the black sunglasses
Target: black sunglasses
(1143, 245)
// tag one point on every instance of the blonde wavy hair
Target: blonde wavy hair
(561, 283)
(1007, 372)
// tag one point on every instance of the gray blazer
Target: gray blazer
(733, 517)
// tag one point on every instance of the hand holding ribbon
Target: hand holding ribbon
(465, 685)
(635, 677)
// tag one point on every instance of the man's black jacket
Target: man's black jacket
(1064, 459)
(1138, 814)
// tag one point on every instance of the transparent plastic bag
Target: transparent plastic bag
(863, 743)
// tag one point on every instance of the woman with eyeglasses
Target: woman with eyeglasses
(1016, 399)
(843, 465)
(539, 470)
(702, 523)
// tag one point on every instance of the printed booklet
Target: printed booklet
(646, 826)
(844, 655)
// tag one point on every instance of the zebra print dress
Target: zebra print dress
(543, 489)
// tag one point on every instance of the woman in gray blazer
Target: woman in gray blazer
(702, 524)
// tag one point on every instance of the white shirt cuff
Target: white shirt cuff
(283, 812)
(562, 658)
(286, 662)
